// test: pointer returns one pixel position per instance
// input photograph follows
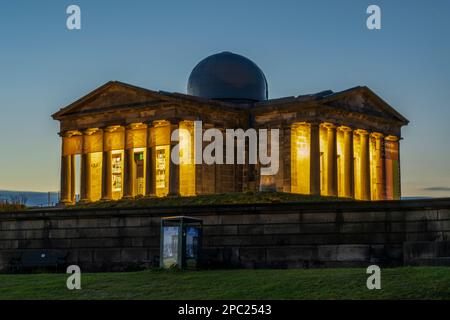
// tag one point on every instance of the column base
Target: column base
(64, 203)
(267, 184)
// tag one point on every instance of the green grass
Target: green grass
(399, 283)
(216, 199)
(11, 207)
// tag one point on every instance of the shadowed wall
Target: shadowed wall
(339, 234)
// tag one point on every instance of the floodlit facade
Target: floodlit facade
(116, 141)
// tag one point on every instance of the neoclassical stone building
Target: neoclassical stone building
(342, 144)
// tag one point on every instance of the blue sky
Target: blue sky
(302, 46)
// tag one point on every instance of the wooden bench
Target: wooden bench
(39, 259)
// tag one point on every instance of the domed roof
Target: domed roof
(230, 77)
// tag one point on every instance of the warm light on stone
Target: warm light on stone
(187, 161)
(300, 158)
(116, 141)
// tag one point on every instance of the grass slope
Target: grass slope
(399, 283)
(215, 199)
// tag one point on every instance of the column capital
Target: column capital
(329, 125)
(160, 123)
(345, 128)
(135, 125)
(111, 128)
(70, 133)
(90, 131)
(392, 138)
(301, 123)
(362, 132)
(377, 135)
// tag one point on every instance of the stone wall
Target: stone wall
(335, 234)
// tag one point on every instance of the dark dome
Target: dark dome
(228, 76)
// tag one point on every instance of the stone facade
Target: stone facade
(337, 144)
(335, 234)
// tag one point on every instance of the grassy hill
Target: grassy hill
(399, 283)
(216, 199)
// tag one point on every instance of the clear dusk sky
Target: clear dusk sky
(302, 47)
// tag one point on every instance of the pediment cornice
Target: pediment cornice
(115, 96)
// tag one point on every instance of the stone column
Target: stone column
(72, 179)
(392, 168)
(128, 191)
(331, 161)
(128, 164)
(66, 174)
(106, 168)
(106, 176)
(349, 173)
(315, 159)
(384, 173)
(365, 165)
(85, 180)
(398, 180)
(174, 169)
(268, 183)
(285, 158)
(379, 167)
(150, 180)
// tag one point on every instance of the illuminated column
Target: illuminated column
(65, 180)
(85, 181)
(129, 168)
(128, 191)
(379, 167)
(66, 175)
(398, 183)
(392, 168)
(106, 167)
(285, 162)
(72, 178)
(365, 165)
(174, 169)
(331, 161)
(315, 159)
(187, 161)
(348, 174)
(150, 180)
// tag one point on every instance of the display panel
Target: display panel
(192, 236)
(117, 177)
(162, 170)
(140, 173)
(170, 246)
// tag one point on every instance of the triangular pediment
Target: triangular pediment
(112, 95)
(365, 101)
